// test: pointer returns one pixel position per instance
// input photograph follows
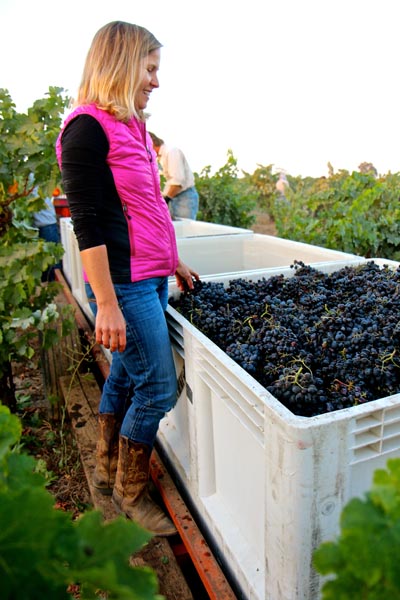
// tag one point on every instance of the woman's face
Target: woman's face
(149, 80)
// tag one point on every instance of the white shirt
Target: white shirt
(47, 216)
(175, 168)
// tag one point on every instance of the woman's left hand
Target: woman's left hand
(184, 276)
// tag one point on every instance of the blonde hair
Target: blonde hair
(112, 72)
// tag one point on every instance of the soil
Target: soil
(263, 224)
(45, 438)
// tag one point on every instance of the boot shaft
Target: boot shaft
(133, 469)
(107, 428)
(106, 453)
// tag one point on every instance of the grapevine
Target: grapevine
(317, 342)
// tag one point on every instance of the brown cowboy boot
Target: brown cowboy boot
(131, 495)
(106, 454)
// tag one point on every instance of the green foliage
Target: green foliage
(263, 183)
(28, 166)
(357, 213)
(43, 551)
(28, 174)
(27, 142)
(365, 559)
(224, 198)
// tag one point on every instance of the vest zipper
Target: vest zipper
(125, 210)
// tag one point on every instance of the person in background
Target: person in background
(128, 248)
(282, 185)
(179, 189)
(45, 221)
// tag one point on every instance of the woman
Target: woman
(128, 249)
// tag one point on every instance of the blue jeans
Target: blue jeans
(119, 393)
(50, 233)
(186, 204)
(146, 364)
(91, 298)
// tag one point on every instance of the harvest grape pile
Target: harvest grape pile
(317, 342)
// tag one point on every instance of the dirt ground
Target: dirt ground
(263, 224)
(48, 440)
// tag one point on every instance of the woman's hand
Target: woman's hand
(184, 277)
(111, 328)
(110, 322)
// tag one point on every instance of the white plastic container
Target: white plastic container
(188, 228)
(72, 266)
(65, 237)
(268, 486)
(209, 255)
(251, 251)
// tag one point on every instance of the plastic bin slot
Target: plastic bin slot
(367, 441)
(367, 422)
(177, 343)
(385, 446)
(173, 325)
(389, 417)
(392, 414)
(366, 453)
(386, 415)
(247, 412)
(390, 444)
(391, 430)
(379, 439)
(176, 336)
(234, 386)
(235, 381)
(367, 438)
(235, 405)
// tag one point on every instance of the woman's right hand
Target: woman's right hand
(111, 328)
(110, 322)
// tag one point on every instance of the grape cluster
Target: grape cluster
(317, 342)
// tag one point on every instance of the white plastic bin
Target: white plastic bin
(269, 486)
(72, 266)
(210, 255)
(244, 252)
(188, 228)
(65, 238)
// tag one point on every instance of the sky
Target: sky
(296, 84)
